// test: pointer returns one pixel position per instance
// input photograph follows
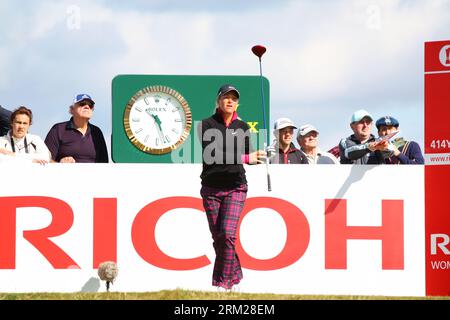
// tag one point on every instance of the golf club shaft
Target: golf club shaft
(269, 184)
(262, 96)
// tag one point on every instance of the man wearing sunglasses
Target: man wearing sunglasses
(77, 140)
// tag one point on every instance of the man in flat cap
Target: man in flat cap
(399, 151)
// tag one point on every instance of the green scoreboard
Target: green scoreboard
(155, 117)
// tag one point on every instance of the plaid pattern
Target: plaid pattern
(223, 209)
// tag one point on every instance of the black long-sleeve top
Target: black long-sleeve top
(223, 151)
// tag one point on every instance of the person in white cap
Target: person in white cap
(357, 148)
(308, 141)
(282, 149)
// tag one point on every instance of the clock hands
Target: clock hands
(160, 131)
(158, 121)
(158, 126)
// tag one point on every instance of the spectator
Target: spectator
(399, 151)
(5, 117)
(18, 144)
(282, 150)
(356, 148)
(77, 140)
(307, 139)
(335, 151)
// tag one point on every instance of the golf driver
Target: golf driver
(258, 51)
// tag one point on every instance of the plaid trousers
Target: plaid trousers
(223, 209)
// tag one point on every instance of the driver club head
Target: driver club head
(258, 50)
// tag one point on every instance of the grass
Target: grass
(180, 294)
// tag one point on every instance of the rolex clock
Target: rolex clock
(157, 119)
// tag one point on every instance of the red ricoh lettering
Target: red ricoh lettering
(104, 245)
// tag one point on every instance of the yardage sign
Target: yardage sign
(437, 170)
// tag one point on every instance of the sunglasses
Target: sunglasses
(84, 103)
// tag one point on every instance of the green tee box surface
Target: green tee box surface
(200, 92)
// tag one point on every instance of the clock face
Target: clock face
(157, 119)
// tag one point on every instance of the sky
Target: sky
(325, 59)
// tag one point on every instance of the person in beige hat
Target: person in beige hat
(308, 141)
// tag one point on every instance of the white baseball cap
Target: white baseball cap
(283, 123)
(359, 115)
(304, 130)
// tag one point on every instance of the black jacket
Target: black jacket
(5, 116)
(292, 156)
(222, 151)
(351, 151)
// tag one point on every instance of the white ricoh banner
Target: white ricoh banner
(322, 230)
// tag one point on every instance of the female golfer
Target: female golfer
(225, 147)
